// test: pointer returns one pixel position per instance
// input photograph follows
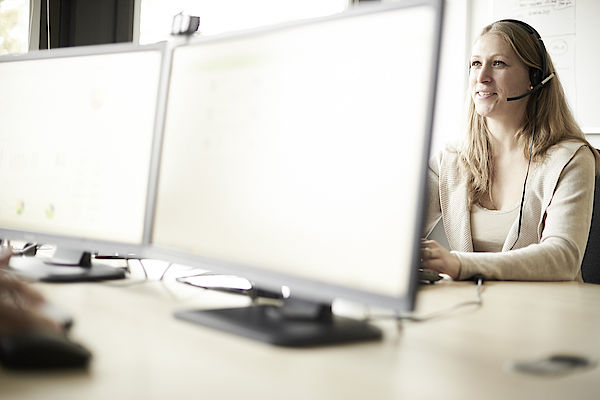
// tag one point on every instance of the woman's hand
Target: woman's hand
(435, 257)
(19, 303)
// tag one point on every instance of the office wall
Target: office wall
(453, 75)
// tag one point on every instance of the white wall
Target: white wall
(453, 74)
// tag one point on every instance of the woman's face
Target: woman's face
(496, 74)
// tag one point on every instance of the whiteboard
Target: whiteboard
(570, 30)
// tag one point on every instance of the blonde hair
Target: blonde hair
(554, 121)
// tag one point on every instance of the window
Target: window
(217, 16)
(14, 26)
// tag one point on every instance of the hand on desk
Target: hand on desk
(19, 303)
(437, 258)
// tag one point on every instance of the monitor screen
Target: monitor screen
(78, 128)
(297, 155)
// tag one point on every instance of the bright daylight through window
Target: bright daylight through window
(218, 16)
(14, 26)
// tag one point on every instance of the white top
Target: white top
(489, 228)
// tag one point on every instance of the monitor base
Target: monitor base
(39, 269)
(268, 323)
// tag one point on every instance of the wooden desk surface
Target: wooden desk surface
(142, 352)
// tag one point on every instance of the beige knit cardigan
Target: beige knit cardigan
(555, 225)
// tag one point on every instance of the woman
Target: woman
(18, 303)
(516, 198)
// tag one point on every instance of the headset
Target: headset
(537, 77)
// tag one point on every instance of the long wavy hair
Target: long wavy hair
(554, 121)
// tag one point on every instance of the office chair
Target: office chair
(590, 266)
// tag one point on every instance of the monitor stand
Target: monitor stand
(294, 323)
(66, 265)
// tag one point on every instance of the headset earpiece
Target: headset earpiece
(535, 76)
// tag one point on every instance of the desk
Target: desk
(142, 352)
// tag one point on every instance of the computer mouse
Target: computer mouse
(427, 276)
(42, 350)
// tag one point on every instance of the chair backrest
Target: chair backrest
(590, 267)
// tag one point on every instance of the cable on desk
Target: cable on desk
(143, 268)
(478, 302)
(146, 277)
(436, 314)
(165, 271)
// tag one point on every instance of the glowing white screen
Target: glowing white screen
(300, 150)
(75, 144)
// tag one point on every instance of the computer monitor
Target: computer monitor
(296, 156)
(76, 143)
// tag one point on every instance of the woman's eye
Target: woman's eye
(475, 63)
(499, 63)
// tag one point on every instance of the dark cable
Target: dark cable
(478, 279)
(526, 176)
(146, 277)
(143, 268)
(165, 271)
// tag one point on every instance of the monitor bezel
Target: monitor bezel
(88, 244)
(307, 288)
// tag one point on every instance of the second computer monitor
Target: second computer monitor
(297, 155)
(76, 143)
